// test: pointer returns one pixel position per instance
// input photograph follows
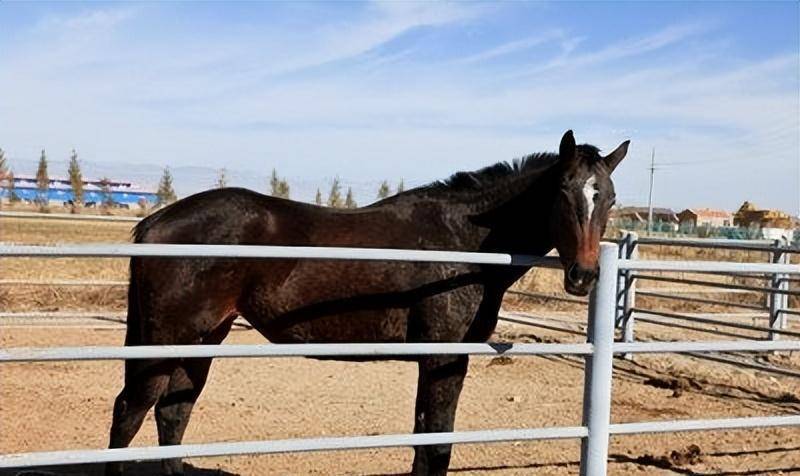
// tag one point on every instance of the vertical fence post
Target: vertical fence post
(622, 253)
(784, 285)
(778, 302)
(599, 365)
(629, 296)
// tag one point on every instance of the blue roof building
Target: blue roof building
(60, 191)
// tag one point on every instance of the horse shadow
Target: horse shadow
(145, 468)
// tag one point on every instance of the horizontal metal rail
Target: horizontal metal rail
(709, 266)
(537, 322)
(705, 320)
(277, 252)
(43, 354)
(767, 246)
(793, 312)
(152, 453)
(554, 297)
(667, 323)
(751, 365)
(694, 291)
(68, 216)
(33, 354)
(704, 425)
(705, 346)
(712, 284)
(707, 242)
(701, 300)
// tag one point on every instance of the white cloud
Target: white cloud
(629, 47)
(102, 19)
(300, 100)
(514, 47)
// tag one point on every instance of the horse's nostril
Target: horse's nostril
(573, 274)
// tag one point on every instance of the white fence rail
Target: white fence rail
(594, 431)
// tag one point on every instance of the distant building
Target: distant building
(693, 218)
(60, 191)
(749, 215)
(664, 219)
(774, 224)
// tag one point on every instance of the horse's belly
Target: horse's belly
(389, 325)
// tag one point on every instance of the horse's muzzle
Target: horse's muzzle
(579, 280)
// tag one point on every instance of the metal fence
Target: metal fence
(594, 431)
(775, 287)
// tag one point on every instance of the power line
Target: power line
(650, 198)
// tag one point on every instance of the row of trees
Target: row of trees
(165, 193)
(279, 187)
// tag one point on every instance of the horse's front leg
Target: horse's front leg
(440, 381)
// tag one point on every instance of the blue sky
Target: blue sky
(369, 91)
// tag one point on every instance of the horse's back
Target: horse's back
(295, 300)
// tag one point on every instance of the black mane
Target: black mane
(489, 176)
(530, 166)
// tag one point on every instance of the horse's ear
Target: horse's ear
(613, 159)
(566, 151)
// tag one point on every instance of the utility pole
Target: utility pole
(650, 198)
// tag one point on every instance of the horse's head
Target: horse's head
(584, 198)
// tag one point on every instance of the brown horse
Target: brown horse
(531, 206)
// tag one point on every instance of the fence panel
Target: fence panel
(599, 350)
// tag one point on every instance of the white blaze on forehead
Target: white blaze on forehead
(589, 191)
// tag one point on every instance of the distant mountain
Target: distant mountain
(188, 180)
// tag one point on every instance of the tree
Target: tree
(42, 182)
(383, 190)
(107, 198)
(165, 193)
(75, 179)
(274, 183)
(318, 198)
(401, 187)
(4, 173)
(349, 201)
(222, 179)
(283, 189)
(335, 197)
(278, 187)
(12, 190)
(3, 165)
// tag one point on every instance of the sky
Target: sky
(389, 90)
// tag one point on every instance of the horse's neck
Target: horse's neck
(521, 223)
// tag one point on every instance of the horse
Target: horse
(528, 206)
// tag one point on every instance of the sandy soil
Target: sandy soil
(50, 406)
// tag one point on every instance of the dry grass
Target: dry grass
(134, 211)
(52, 298)
(34, 231)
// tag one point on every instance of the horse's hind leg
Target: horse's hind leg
(145, 381)
(440, 381)
(174, 407)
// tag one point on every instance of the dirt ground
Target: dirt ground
(67, 405)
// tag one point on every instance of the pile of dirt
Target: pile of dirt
(691, 455)
(677, 385)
